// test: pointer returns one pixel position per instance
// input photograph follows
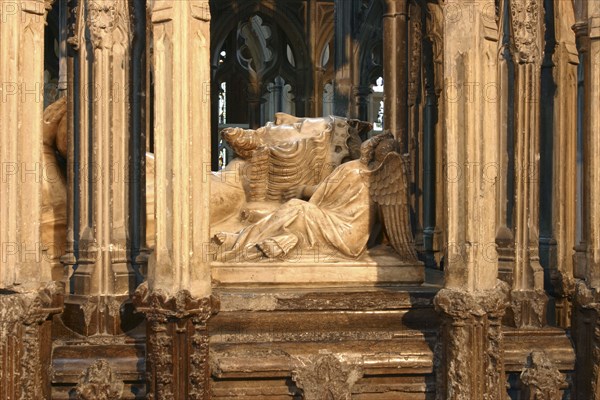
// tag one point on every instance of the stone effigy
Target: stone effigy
(301, 189)
(339, 214)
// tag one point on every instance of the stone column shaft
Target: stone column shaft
(103, 169)
(395, 69)
(28, 297)
(527, 38)
(587, 300)
(472, 304)
(471, 121)
(564, 211)
(21, 94)
(177, 297)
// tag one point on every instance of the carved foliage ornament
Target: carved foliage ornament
(327, 377)
(162, 309)
(526, 29)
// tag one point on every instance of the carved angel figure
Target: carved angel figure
(339, 215)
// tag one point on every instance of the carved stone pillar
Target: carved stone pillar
(527, 33)
(435, 31)
(590, 30)
(415, 107)
(177, 298)
(344, 57)
(564, 212)
(587, 309)
(470, 61)
(395, 68)
(471, 348)
(27, 297)
(103, 173)
(472, 304)
(23, 260)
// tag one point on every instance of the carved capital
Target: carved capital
(327, 376)
(103, 17)
(178, 315)
(464, 305)
(471, 346)
(527, 35)
(541, 379)
(99, 382)
(179, 305)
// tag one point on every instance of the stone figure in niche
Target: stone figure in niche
(337, 214)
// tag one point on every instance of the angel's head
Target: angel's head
(374, 150)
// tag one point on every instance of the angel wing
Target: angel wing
(388, 188)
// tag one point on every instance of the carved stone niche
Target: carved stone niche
(327, 376)
(177, 343)
(541, 379)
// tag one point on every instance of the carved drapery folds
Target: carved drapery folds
(326, 376)
(470, 359)
(177, 343)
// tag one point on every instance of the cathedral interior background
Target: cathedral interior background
(300, 199)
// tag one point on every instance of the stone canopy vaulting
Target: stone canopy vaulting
(299, 199)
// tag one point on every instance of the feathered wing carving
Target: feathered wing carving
(388, 186)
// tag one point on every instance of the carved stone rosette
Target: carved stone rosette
(176, 343)
(22, 317)
(327, 376)
(541, 379)
(470, 355)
